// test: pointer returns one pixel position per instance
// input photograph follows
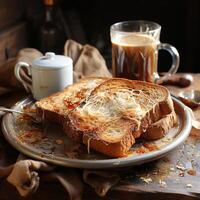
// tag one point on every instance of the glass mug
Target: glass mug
(135, 46)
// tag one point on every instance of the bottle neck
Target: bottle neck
(49, 13)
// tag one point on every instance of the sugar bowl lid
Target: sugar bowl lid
(52, 61)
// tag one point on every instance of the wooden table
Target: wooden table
(132, 186)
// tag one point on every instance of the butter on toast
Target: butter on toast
(109, 114)
(116, 113)
(56, 107)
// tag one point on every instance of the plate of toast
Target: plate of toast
(99, 123)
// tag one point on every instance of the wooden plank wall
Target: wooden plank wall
(15, 26)
(11, 12)
(13, 33)
(11, 40)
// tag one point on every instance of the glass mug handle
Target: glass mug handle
(24, 79)
(175, 61)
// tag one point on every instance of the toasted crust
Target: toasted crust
(117, 149)
(107, 129)
(159, 129)
(54, 108)
(93, 133)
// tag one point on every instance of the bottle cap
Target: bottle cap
(48, 2)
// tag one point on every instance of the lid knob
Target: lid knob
(49, 55)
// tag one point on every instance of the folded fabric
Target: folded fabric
(87, 61)
(8, 81)
(26, 174)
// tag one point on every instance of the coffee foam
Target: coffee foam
(133, 39)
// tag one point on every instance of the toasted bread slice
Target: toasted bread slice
(116, 112)
(87, 113)
(56, 107)
(159, 129)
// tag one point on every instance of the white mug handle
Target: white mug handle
(25, 83)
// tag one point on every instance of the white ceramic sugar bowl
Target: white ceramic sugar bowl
(50, 73)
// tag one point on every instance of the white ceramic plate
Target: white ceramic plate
(54, 147)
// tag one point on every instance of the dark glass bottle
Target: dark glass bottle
(51, 34)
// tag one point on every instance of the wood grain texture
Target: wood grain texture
(11, 11)
(12, 40)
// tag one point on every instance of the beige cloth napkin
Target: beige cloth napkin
(26, 174)
(87, 61)
(8, 81)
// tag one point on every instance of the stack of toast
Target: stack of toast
(108, 115)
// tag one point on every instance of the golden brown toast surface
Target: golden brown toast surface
(118, 109)
(62, 102)
(109, 114)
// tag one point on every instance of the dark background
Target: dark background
(89, 21)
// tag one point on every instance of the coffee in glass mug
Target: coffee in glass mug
(135, 46)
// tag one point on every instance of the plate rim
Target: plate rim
(106, 163)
